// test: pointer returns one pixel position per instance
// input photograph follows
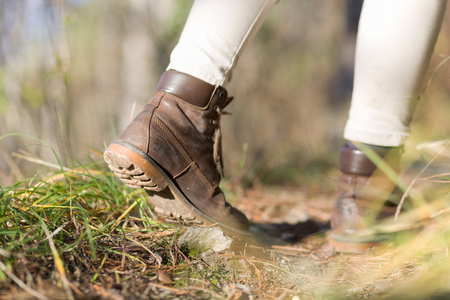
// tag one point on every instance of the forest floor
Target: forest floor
(79, 234)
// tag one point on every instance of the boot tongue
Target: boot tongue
(189, 88)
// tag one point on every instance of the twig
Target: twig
(258, 274)
(290, 249)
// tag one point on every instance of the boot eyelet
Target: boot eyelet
(221, 94)
(217, 108)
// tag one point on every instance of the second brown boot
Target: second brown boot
(172, 149)
(363, 192)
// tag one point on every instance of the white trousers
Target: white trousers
(394, 44)
(214, 36)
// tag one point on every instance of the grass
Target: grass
(79, 214)
(78, 233)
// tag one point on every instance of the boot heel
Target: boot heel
(133, 169)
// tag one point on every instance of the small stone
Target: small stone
(202, 239)
(164, 277)
(296, 215)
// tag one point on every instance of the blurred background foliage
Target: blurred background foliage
(73, 74)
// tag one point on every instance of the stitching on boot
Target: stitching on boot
(152, 114)
(209, 186)
(173, 139)
(202, 177)
(191, 163)
(183, 171)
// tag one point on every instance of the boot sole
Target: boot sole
(346, 247)
(344, 243)
(138, 170)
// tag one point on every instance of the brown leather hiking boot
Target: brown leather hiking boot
(172, 149)
(363, 192)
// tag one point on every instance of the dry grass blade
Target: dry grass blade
(40, 162)
(11, 163)
(59, 264)
(56, 231)
(94, 278)
(125, 213)
(405, 194)
(157, 258)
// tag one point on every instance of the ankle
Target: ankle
(378, 149)
(189, 88)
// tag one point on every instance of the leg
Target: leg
(394, 44)
(172, 147)
(215, 35)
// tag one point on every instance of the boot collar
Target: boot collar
(191, 89)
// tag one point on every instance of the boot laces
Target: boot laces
(217, 144)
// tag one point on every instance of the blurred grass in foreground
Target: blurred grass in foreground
(78, 230)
